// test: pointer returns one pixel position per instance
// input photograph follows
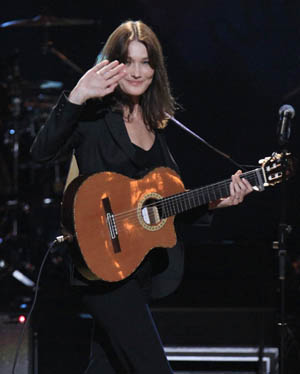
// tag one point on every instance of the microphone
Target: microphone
(286, 114)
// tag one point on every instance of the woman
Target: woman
(113, 120)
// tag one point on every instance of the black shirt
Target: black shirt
(152, 158)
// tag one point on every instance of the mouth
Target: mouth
(135, 83)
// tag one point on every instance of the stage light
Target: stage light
(23, 278)
(47, 201)
(22, 319)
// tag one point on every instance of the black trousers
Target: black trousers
(125, 339)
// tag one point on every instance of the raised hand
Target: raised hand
(98, 82)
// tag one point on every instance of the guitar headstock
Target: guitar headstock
(273, 168)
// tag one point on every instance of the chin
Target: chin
(135, 92)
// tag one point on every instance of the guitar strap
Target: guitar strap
(73, 171)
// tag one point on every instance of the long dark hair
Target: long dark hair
(157, 100)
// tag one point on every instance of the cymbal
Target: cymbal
(47, 21)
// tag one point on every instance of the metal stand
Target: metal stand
(48, 47)
(283, 230)
(284, 130)
(15, 93)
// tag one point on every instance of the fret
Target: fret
(189, 203)
(224, 189)
(198, 198)
(214, 196)
(184, 200)
(218, 191)
(206, 194)
(227, 189)
(164, 209)
(172, 206)
(179, 206)
(193, 193)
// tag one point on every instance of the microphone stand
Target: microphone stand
(193, 134)
(281, 245)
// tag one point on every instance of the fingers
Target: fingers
(239, 188)
(100, 65)
(107, 69)
(114, 74)
(243, 183)
(109, 74)
(234, 198)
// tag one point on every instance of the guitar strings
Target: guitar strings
(131, 216)
(184, 198)
(181, 197)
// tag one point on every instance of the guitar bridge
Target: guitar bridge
(111, 223)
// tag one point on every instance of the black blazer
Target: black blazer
(101, 143)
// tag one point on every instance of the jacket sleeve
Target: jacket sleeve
(57, 132)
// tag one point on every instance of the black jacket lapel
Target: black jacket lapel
(116, 126)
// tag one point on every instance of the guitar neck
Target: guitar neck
(187, 200)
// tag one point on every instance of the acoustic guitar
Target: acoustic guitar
(115, 220)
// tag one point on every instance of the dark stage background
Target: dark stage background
(232, 64)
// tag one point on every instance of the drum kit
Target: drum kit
(28, 190)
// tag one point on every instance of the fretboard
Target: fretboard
(187, 200)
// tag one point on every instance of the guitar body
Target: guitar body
(115, 222)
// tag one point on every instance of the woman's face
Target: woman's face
(139, 72)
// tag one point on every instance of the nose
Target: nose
(135, 70)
